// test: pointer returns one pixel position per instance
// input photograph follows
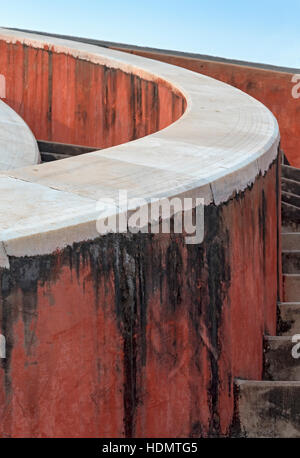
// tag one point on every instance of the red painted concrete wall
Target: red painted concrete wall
(272, 88)
(141, 335)
(131, 335)
(69, 100)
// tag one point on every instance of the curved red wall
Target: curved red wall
(69, 100)
(141, 335)
(272, 88)
(131, 335)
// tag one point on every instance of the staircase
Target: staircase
(271, 408)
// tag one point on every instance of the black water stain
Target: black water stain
(50, 95)
(24, 275)
(235, 429)
(174, 274)
(262, 212)
(219, 276)
(140, 265)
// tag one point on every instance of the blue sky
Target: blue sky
(265, 31)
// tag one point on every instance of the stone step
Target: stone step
(268, 409)
(290, 241)
(288, 318)
(291, 287)
(290, 198)
(291, 186)
(279, 362)
(291, 261)
(290, 216)
(291, 173)
(287, 229)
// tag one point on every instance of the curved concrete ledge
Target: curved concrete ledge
(143, 334)
(18, 147)
(224, 140)
(252, 78)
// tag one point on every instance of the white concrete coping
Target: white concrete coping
(18, 147)
(224, 140)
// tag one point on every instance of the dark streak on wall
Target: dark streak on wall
(133, 335)
(162, 328)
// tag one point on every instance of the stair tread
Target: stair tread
(290, 172)
(287, 193)
(279, 362)
(290, 261)
(291, 275)
(283, 178)
(297, 304)
(268, 408)
(289, 319)
(277, 338)
(290, 240)
(267, 383)
(291, 198)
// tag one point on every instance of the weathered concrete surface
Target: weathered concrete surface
(289, 318)
(268, 409)
(273, 87)
(291, 261)
(290, 217)
(75, 100)
(290, 186)
(279, 363)
(292, 173)
(207, 153)
(18, 146)
(140, 335)
(290, 241)
(291, 287)
(111, 338)
(290, 198)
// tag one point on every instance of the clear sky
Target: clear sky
(265, 31)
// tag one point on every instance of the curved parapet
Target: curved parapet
(224, 140)
(141, 334)
(18, 147)
(276, 87)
